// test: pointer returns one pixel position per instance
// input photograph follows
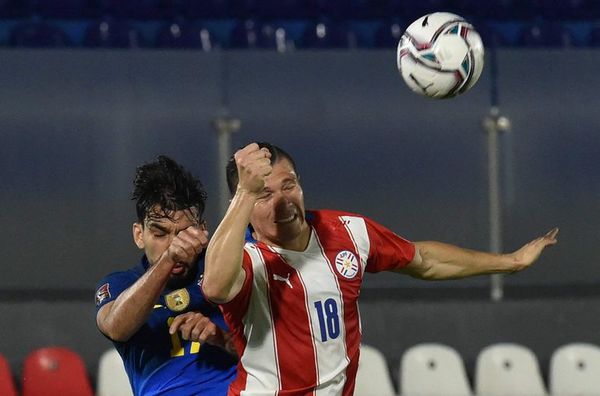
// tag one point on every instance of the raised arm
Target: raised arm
(223, 273)
(438, 261)
(120, 319)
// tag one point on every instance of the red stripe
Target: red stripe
(293, 336)
(338, 239)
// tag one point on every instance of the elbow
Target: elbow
(214, 292)
(113, 332)
(117, 336)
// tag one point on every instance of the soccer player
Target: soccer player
(290, 296)
(171, 339)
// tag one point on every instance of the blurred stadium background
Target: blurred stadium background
(92, 88)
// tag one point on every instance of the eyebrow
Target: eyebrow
(158, 227)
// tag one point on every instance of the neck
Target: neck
(298, 244)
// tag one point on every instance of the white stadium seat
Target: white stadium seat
(432, 369)
(112, 379)
(373, 376)
(575, 370)
(506, 369)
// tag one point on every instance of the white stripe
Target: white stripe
(332, 373)
(357, 229)
(320, 285)
(260, 354)
(308, 309)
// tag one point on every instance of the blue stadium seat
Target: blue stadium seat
(388, 34)
(492, 35)
(38, 35)
(178, 34)
(594, 40)
(545, 34)
(111, 33)
(327, 35)
(245, 34)
(275, 37)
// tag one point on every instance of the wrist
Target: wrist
(510, 263)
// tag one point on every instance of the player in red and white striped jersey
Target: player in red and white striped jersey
(290, 296)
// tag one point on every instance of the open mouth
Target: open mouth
(288, 219)
(178, 269)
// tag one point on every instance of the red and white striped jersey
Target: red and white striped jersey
(295, 322)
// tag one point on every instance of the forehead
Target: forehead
(158, 216)
(282, 170)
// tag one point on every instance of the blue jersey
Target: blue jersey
(160, 363)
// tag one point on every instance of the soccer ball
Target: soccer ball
(440, 55)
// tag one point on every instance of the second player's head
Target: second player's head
(278, 217)
(168, 199)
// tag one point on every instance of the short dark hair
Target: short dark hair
(166, 184)
(277, 153)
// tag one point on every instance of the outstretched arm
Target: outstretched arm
(223, 273)
(121, 318)
(438, 261)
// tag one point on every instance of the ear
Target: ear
(138, 231)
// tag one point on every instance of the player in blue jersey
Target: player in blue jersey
(172, 341)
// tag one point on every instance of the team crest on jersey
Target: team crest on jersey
(178, 300)
(346, 264)
(102, 293)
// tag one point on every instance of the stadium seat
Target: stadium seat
(184, 35)
(594, 39)
(434, 370)
(112, 379)
(38, 35)
(271, 36)
(575, 370)
(7, 383)
(55, 371)
(111, 33)
(373, 376)
(245, 34)
(388, 34)
(545, 34)
(506, 369)
(325, 34)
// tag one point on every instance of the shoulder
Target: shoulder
(329, 216)
(131, 274)
(114, 283)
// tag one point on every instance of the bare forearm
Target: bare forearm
(443, 261)
(223, 272)
(121, 318)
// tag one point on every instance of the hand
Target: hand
(188, 244)
(196, 327)
(530, 252)
(253, 164)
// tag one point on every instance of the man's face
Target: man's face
(156, 234)
(278, 215)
